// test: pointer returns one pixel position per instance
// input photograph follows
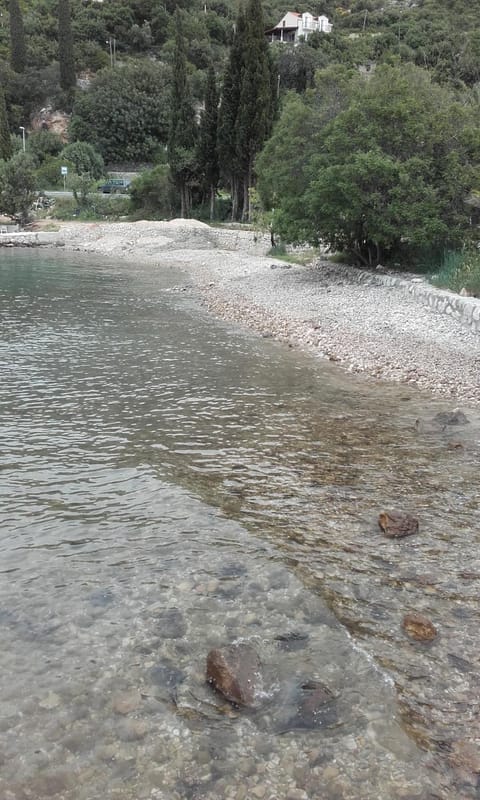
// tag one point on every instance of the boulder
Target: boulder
(397, 524)
(234, 671)
(419, 627)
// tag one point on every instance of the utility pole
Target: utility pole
(22, 128)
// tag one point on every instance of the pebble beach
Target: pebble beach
(368, 327)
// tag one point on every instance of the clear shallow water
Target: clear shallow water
(170, 484)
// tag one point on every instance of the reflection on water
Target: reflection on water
(171, 485)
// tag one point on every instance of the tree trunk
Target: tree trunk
(212, 203)
(235, 199)
(182, 200)
(246, 200)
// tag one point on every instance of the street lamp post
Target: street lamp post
(112, 47)
(23, 137)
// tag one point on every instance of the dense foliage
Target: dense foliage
(18, 54)
(65, 46)
(380, 167)
(247, 106)
(17, 186)
(125, 112)
(375, 148)
(182, 132)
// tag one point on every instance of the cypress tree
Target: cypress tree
(183, 130)
(18, 55)
(65, 46)
(5, 141)
(256, 106)
(228, 114)
(208, 135)
(247, 107)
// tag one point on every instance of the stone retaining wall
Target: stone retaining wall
(20, 239)
(464, 309)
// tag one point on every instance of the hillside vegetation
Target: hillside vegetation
(366, 138)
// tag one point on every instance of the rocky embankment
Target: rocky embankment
(387, 327)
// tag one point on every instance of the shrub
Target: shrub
(85, 158)
(43, 144)
(96, 207)
(48, 175)
(459, 270)
(151, 192)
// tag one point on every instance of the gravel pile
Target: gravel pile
(371, 328)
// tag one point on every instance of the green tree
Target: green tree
(5, 141)
(248, 104)
(17, 186)
(182, 135)
(43, 144)
(65, 47)
(124, 113)
(256, 109)
(81, 186)
(207, 143)
(85, 159)
(390, 172)
(18, 53)
(150, 192)
(228, 113)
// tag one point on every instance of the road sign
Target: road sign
(64, 170)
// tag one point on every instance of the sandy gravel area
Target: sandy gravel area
(372, 328)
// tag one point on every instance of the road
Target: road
(55, 194)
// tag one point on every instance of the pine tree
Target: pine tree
(65, 46)
(5, 141)
(208, 135)
(18, 55)
(183, 130)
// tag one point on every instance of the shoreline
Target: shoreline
(383, 329)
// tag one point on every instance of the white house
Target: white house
(295, 26)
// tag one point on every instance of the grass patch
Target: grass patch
(277, 251)
(300, 256)
(459, 270)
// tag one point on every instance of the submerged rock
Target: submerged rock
(171, 623)
(455, 417)
(234, 671)
(419, 627)
(168, 678)
(101, 597)
(397, 524)
(126, 702)
(293, 640)
(316, 708)
(441, 421)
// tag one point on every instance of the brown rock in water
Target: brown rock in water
(234, 672)
(455, 444)
(397, 524)
(419, 627)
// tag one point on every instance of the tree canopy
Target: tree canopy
(385, 172)
(124, 113)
